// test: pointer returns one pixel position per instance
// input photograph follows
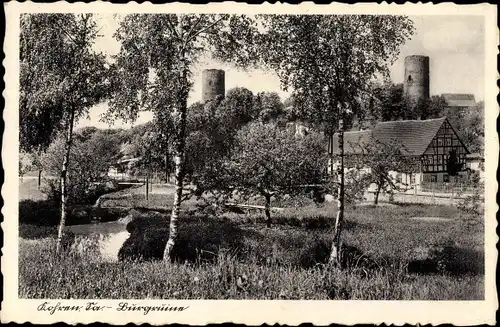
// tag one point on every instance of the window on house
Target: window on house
(433, 178)
(409, 78)
(446, 178)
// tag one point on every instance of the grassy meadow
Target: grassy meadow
(387, 255)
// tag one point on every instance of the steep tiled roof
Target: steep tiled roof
(352, 140)
(414, 135)
(459, 100)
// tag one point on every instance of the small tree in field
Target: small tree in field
(25, 163)
(269, 161)
(378, 159)
(87, 170)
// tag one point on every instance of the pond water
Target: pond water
(110, 235)
(110, 227)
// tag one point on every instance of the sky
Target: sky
(455, 45)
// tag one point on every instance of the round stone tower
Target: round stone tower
(212, 84)
(416, 82)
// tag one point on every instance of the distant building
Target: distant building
(458, 101)
(416, 78)
(213, 84)
(434, 141)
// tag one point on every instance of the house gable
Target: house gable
(444, 142)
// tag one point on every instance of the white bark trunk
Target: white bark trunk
(179, 117)
(63, 181)
(335, 254)
(174, 217)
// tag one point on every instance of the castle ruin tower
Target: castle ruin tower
(416, 80)
(212, 84)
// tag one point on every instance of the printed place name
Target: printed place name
(52, 308)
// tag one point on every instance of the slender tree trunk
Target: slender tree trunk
(63, 180)
(377, 193)
(179, 117)
(147, 186)
(268, 210)
(39, 178)
(172, 236)
(335, 255)
(167, 169)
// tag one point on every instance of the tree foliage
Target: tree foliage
(269, 107)
(25, 163)
(59, 73)
(90, 159)
(153, 71)
(212, 130)
(270, 161)
(61, 78)
(469, 124)
(330, 59)
(388, 102)
(330, 62)
(372, 163)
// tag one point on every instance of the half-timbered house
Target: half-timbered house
(441, 151)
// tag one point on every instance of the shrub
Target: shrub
(48, 213)
(200, 239)
(45, 213)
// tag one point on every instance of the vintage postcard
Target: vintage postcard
(250, 164)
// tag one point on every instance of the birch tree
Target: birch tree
(61, 78)
(154, 72)
(328, 62)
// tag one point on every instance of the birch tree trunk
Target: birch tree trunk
(335, 255)
(39, 178)
(179, 116)
(63, 180)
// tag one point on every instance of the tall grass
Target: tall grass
(388, 256)
(81, 276)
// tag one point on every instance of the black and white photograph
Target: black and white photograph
(296, 156)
